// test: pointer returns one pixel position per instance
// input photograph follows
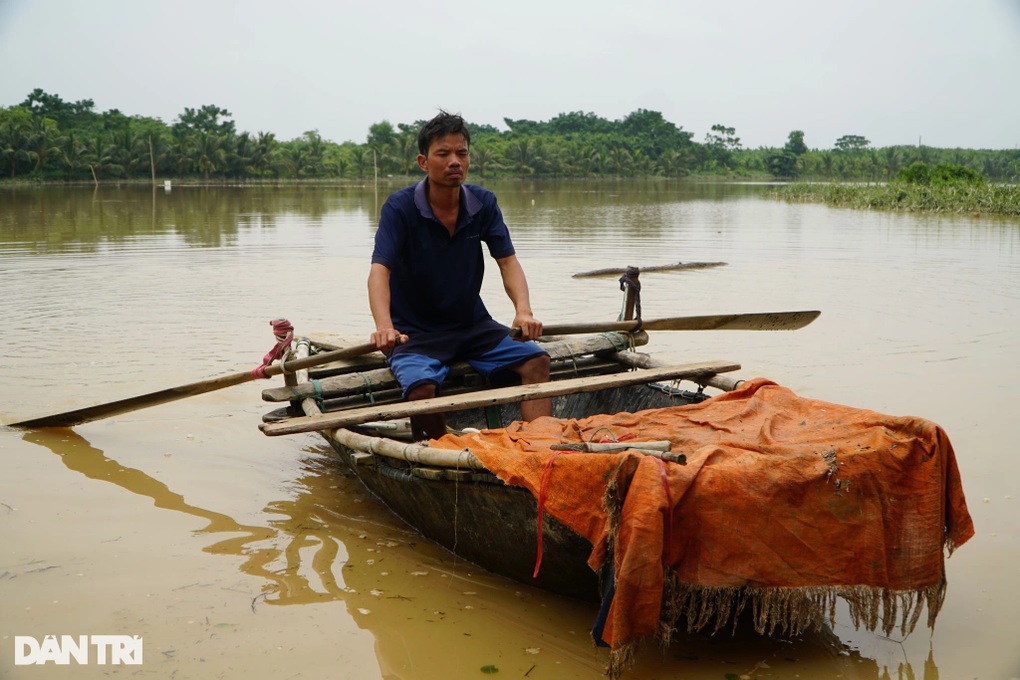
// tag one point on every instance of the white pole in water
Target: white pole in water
(166, 186)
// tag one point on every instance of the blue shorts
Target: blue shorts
(412, 370)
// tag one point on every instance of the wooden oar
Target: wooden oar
(757, 321)
(754, 321)
(88, 413)
(677, 266)
(492, 397)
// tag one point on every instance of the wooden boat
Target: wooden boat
(450, 497)
(787, 503)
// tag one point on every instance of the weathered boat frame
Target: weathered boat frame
(450, 497)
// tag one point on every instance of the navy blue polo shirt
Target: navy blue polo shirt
(436, 277)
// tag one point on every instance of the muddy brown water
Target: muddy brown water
(236, 555)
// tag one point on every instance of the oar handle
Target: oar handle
(579, 328)
(320, 359)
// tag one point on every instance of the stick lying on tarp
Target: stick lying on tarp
(602, 447)
(658, 449)
(492, 397)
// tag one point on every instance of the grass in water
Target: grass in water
(919, 188)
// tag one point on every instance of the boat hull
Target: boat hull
(481, 519)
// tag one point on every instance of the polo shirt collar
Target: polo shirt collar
(469, 203)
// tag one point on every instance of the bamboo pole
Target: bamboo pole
(361, 396)
(412, 453)
(389, 448)
(493, 397)
(379, 379)
(379, 385)
(725, 383)
(152, 162)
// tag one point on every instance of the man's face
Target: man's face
(447, 161)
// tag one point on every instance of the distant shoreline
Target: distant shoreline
(975, 200)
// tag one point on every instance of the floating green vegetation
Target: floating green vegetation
(941, 188)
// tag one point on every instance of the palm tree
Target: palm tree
(361, 158)
(99, 155)
(72, 155)
(264, 152)
(240, 150)
(209, 153)
(381, 139)
(828, 164)
(42, 140)
(642, 164)
(128, 152)
(180, 149)
(481, 158)
(406, 146)
(297, 159)
(315, 149)
(593, 160)
(675, 163)
(619, 160)
(891, 161)
(572, 160)
(14, 148)
(521, 156)
(336, 163)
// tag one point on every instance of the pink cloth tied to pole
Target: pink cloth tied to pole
(283, 331)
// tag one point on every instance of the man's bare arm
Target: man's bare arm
(385, 335)
(516, 285)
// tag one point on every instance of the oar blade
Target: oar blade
(114, 408)
(754, 321)
(676, 266)
(87, 414)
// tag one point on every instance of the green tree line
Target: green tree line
(47, 138)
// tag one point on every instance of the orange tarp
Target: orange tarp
(784, 501)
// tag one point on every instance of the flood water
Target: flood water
(237, 555)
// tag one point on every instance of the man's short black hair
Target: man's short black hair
(440, 126)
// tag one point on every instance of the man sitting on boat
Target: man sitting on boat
(424, 286)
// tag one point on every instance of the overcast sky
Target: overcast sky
(946, 72)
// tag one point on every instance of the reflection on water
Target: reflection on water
(301, 531)
(60, 219)
(55, 219)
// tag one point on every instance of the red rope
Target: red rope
(284, 334)
(546, 474)
(667, 519)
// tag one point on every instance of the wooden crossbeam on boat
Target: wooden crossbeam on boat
(379, 387)
(504, 395)
(374, 381)
(726, 383)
